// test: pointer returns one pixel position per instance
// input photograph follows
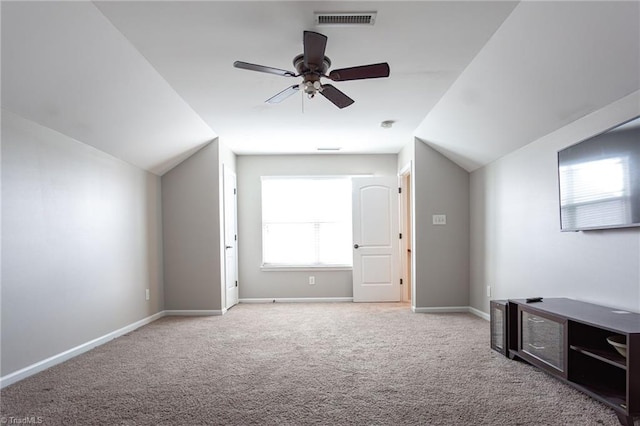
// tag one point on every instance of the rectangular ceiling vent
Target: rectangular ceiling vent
(345, 19)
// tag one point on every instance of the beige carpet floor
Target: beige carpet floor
(301, 364)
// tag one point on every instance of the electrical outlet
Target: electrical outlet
(312, 280)
(439, 219)
(146, 294)
(488, 291)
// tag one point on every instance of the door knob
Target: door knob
(355, 246)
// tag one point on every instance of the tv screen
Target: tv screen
(599, 180)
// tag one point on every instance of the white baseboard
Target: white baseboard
(451, 309)
(440, 309)
(194, 312)
(479, 313)
(296, 300)
(73, 352)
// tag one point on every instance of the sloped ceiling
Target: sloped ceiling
(150, 82)
(549, 64)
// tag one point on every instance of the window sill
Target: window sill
(284, 268)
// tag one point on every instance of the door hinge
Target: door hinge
(400, 190)
(400, 281)
(235, 238)
(400, 235)
(237, 283)
(234, 191)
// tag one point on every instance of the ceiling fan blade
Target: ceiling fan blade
(314, 46)
(262, 68)
(361, 72)
(338, 98)
(283, 95)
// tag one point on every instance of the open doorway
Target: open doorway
(407, 232)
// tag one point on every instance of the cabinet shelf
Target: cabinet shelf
(610, 357)
(607, 394)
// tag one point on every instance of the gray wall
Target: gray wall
(516, 243)
(191, 232)
(81, 242)
(254, 283)
(441, 252)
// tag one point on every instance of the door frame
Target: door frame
(226, 174)
(407, 227)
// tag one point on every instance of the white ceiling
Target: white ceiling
(151, 82)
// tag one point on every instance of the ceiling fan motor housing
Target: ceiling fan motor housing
(311, 75)
(313, 72)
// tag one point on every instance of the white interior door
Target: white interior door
(376, 275)
(230, 237)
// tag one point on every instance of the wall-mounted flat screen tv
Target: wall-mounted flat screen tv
(599, 180)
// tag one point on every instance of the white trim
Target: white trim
(73, 352)
(451, 309)
(194, 312)
(479, 313)
(296, 300)
(405, 170)
(406, 227)
(284, 268)
(440, 309)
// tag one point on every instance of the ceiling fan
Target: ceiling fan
(313, 65)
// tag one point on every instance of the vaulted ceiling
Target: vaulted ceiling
(151, 82)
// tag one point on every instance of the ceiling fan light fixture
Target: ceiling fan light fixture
(311, 88)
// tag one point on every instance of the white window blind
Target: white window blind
(306, 221)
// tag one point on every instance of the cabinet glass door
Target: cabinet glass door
(497, 328)
(543, 339)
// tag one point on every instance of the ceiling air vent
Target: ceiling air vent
(345, 19)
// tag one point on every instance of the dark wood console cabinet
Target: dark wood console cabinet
(568, 339)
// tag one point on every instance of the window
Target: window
(306, 222)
